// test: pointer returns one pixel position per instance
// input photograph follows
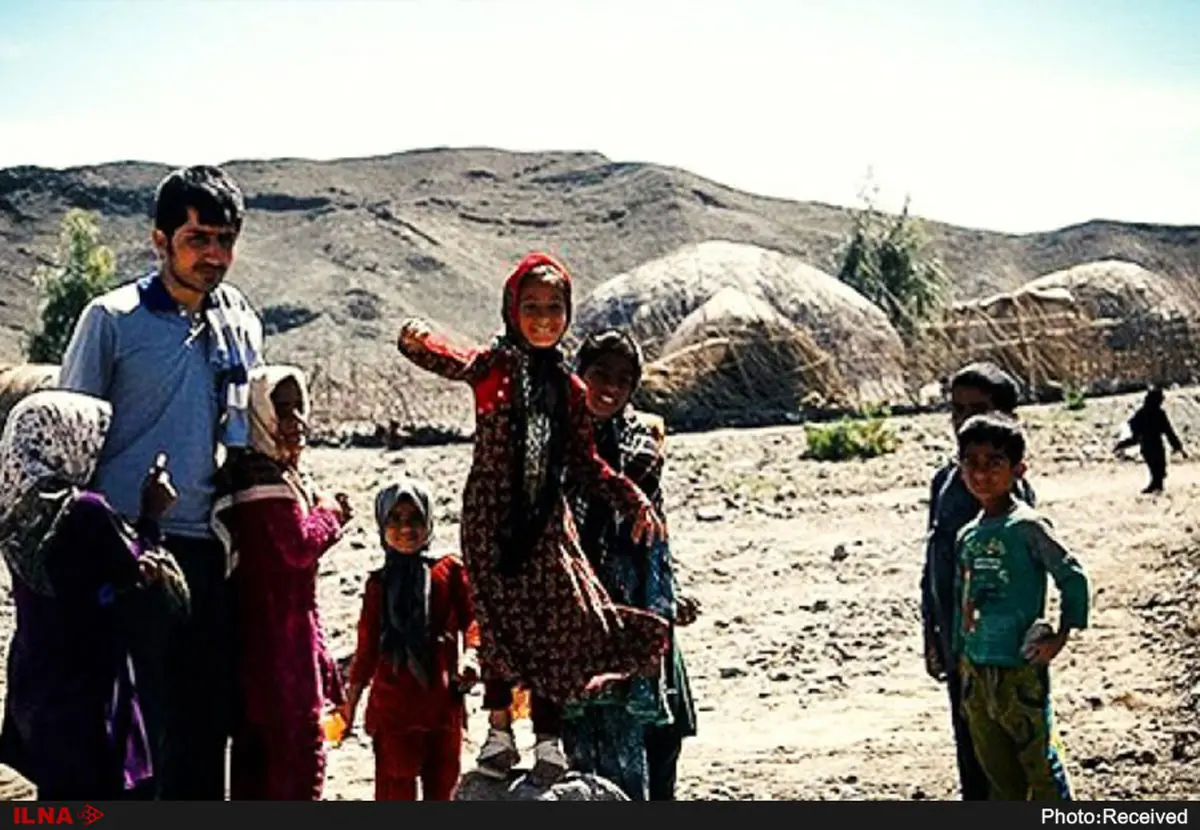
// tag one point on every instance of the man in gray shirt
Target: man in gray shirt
(172, 352)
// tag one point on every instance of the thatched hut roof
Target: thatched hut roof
(732, 373)
(656, 301)
(1118, 290)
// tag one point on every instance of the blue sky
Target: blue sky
(1016, 115)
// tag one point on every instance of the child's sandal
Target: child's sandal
(499, 754)
(550, 764)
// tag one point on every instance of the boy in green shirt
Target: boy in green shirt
(1004, 652)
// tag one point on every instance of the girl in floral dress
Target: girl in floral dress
(546, 622)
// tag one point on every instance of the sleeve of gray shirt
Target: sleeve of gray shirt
(87, 363)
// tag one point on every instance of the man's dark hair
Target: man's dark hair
(610, 341)
(210, 191)
(996, 430)
(991, 379)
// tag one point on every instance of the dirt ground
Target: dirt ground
(806, 660)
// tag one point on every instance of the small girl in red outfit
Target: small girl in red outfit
(546, 622)
(276, 530)
(414, 609)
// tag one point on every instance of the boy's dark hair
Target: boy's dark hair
(609, 341)
(996, 430)
(210, 191)
(990, 378)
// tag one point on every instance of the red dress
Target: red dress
(285, 673)
(416, 730)
(552, 627)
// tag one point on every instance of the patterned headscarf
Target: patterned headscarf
(405, 630)
(264, 424)
(50, 447)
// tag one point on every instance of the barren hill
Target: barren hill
(335, 252)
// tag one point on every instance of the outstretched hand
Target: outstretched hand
(158, 492)
(933, 663)
(648, 526)
(413, 334)
(1045, 649)
(687, 609)
(158, 569)
(343, 501)
(600, 682)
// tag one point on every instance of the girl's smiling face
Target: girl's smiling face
(541, 311)
(406, 530)
(610, 382)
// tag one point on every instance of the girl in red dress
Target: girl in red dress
(546, 622)
(276, 530)
(414, 610)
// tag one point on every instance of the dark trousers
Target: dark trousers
(545, 714)
(973, 781)
(1156, 463)
(663, 746)
(185, 680)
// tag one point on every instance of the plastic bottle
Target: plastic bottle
(333, 727)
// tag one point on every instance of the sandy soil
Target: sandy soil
(806, 662)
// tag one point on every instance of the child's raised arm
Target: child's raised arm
(435, 354)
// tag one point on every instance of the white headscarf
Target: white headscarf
(264, 424)
(51, 442)
(50, 435)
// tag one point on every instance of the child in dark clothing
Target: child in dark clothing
(976, 389)
(1002, 649)
(1147, 428)
(634, 734)
(83, 582)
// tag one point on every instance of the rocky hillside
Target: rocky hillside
(335, 252)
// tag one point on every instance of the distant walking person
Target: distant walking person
(1147, 428)
(171, 353)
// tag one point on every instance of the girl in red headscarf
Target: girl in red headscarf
(546, 622)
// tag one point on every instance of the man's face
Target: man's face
(197, 256)
(967, 402)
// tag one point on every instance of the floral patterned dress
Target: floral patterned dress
(551, 626)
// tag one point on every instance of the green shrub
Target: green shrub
(866, 437)
(890, 261)
(1074, 399)
(84, 270)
